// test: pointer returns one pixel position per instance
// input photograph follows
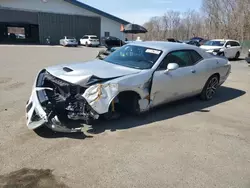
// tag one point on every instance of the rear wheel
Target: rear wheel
(210, 88)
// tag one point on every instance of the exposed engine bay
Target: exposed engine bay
(66, 99)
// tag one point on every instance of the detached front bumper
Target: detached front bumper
(37, 117)
(40, 112)
(35, 114)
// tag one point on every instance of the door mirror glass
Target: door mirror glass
(171, 67)
(228, 46)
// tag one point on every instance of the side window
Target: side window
(195, 57)
(237, 44)
(85, 37)
(164, 63)
(228, 43)
(182, 58)
(234, 43)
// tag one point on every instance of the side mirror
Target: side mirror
(171, 67)
(228, 46)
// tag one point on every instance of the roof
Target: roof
(97, 11)
(90, 35)
(224, 40)
(160, 45)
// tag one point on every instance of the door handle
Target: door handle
(193, 71)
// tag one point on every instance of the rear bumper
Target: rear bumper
(71, 43)
(94, 43)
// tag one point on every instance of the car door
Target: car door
(179, 83)
(236, 47)
(229, 50)
(83, 40)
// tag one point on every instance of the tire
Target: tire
(135, 109)
(222, 54)
(237, 55)
(210, 88)
(129, 104)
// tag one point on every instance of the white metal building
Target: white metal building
(109, 24)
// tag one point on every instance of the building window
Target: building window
(16, 32)
(106, 34)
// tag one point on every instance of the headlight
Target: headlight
(218, 50)
(249, 50)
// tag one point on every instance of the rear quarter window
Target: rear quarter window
(196, 57)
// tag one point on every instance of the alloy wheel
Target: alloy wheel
(211, 88)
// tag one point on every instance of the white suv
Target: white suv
(90, 40)
(228, 48)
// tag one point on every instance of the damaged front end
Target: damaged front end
(54, 101)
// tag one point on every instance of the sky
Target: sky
(140, 11)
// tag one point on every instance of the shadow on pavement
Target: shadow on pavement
(164, 112)
(239, 59)
(169, 111)
(48, 133)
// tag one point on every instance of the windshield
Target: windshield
(214, 43)
(70, 38)
(132, 56)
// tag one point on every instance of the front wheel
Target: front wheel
(237, 55)
(210, 88)
(222, 54)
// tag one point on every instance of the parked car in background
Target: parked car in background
(68, 41)
(90, 40)
(192, 42)
(203, 42)
(132, 79)
(110, 42)
(198, 39)
(248, 57)
(173, 40)
(229, 48)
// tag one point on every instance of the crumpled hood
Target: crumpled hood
(81, 73)
(210, 47)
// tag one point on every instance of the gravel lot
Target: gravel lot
(186, 144)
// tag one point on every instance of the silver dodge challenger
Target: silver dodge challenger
(132, 79)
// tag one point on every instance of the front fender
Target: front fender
(100, 96)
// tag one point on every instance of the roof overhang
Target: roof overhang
(97, 11)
